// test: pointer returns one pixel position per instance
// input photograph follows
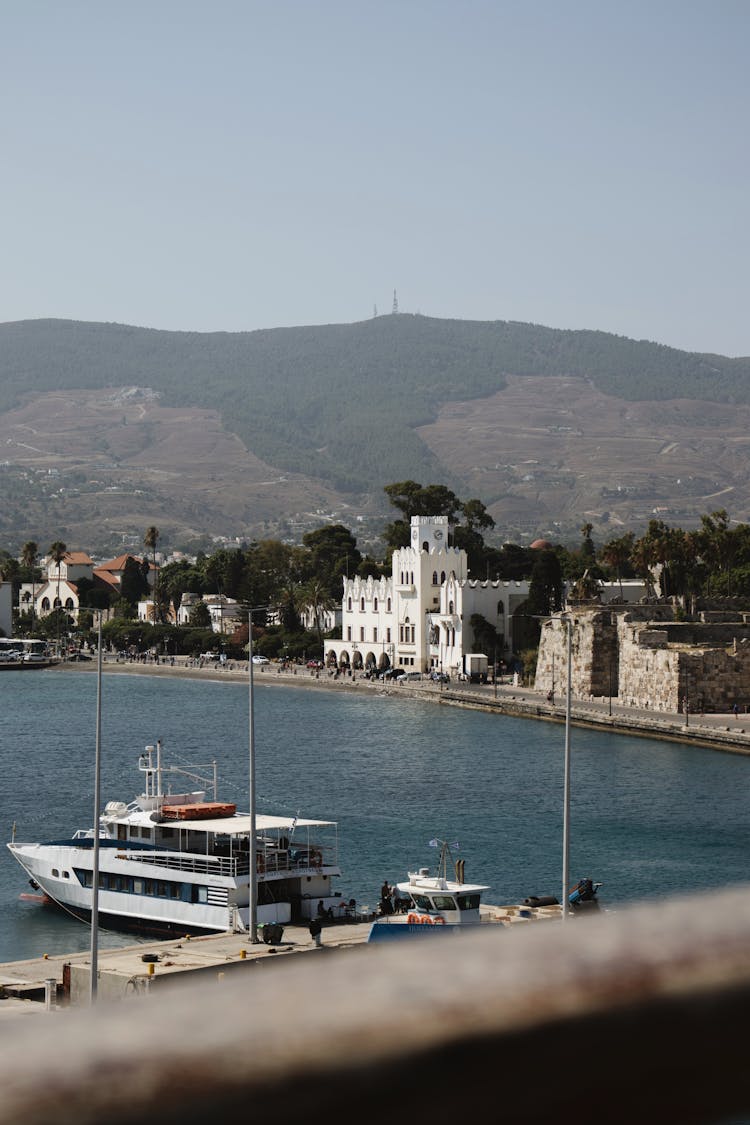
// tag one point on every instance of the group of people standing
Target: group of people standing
(390, 901)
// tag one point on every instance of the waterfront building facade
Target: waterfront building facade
(419, 618)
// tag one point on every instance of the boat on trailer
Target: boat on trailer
(177, 862)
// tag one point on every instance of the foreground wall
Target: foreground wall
(638, 1015)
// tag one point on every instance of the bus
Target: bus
(18, 650)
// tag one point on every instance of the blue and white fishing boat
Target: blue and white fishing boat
(429, 904)
(176, 862)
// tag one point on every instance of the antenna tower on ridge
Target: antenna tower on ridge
(394, 310)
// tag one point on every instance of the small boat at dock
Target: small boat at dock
(429, 904)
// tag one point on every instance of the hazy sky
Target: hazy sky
(223, 165)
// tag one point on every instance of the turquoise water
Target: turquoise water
(648, 818)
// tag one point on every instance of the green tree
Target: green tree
(29, 556)
(545, 586)
(414, 499)
(200, 618)
(134, 582)
(150, 541)
(332, 554)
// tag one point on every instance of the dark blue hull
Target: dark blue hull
(400, 931)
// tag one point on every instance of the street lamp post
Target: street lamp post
(252, 918)
(566, 780)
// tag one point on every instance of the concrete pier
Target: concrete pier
(137, 969)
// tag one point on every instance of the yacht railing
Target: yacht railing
(270, 861)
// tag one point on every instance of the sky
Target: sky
(242, 164)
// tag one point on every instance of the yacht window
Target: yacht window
(422, 902)
(55, 873)
(445, 902)
(138, 886)
(103, 881)
(168, 833)
(162, 889)
(146, 833)
(121, 832)
(175, 890)
(468, 902)
(149, 886)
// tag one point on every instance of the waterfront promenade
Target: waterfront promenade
(720, 731)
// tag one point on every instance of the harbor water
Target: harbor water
(648, 818)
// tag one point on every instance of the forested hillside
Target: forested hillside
(340, 402)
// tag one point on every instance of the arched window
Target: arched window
(26, 597)
(57, 603)
(69, 603)
(361, 605)
(45, 604)
(426, 546)
(450, 607)
(442, 577)
(388, 606)
(434, 578)
(349, 605)
(375, 604)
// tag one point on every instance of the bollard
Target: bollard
(243, 954)
(50, 993)
(150, 969)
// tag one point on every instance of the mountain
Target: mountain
(241, 432)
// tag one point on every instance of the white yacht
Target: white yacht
(175, 862)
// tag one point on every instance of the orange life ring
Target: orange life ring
(438, 921)
(421, 919)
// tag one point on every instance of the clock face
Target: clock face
(415, 533)
(438, 535)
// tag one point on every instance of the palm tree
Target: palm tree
(316, 595)
(29, 555)
(616, 554)
(57, 553)
(150, 540)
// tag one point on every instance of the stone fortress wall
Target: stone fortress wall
(643, 657)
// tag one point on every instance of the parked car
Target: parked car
(409, 677)
(258, 659)
(440, 677)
